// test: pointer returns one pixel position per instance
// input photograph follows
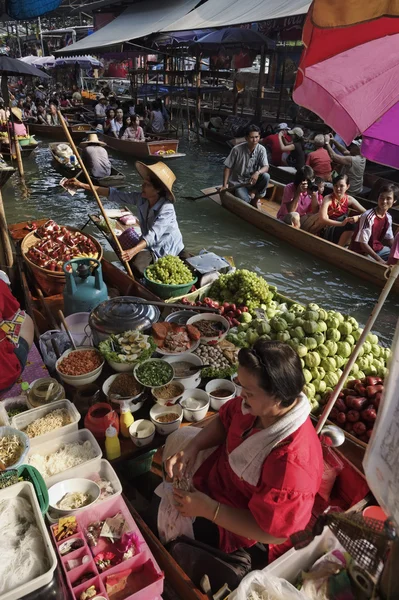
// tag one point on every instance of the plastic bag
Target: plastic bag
(46, 347)
(260, 585)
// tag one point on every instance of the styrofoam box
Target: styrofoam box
(51, 446)
(86, 471)
(26, 490)
(24, 419)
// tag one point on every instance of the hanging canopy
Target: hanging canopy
(230, 40)
(13, 66)
(139, 20)
(38, 61)
(86, 62)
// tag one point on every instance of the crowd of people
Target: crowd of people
(132, 122)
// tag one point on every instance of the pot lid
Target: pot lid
(121, 314)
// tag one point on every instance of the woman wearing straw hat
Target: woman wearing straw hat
(160, 233)
(95, 157)
(19, 127)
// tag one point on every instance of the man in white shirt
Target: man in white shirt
(354, 164)
(117, 122)
(99, 110)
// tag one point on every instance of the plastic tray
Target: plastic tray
(26, 490)
(4, 420)
(86, 471)
(53, 445)
(24, 419)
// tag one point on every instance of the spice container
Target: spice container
(43, 391)
(99, 417)
(85, 397)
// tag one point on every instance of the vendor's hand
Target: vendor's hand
(179, 465)
(254, 178)
(194, 504)
(74, 183)
(128, 254)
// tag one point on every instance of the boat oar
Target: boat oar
(216, 191)
(393, 275)
(93, 189)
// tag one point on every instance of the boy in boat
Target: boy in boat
(247, 164)
(373, 236)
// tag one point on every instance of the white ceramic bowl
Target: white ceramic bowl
(134, 406)
(78, 325)
(216, 384)
(211, 317)
(238, 387)
(166, 428)
(138, 432)
(121, 367)
(57, 492)
(199, 412)
(194, 380)
(154, 361)
(80, 380)
(156, 392)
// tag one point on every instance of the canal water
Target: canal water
(204, 225)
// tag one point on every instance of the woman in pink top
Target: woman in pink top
(297, 201)
(133, 132)
(19, 127)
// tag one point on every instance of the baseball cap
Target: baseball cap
(357, 142)
(296, 131)
(283, 126)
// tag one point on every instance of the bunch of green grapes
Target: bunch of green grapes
(242, 287)
(169, 270)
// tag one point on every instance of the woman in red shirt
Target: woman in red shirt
(260, 482)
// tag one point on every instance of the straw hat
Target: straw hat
(161, 172)
(296, 131)
(17, 112)
(92, 138)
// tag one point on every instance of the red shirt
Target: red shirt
(320, 162)
(10, 366)
(372, 230)
(282, 500)
(273, 143)
(337, 208)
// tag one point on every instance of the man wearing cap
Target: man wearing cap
(294, 152)
(354, 164)
(160, 233)
(319, 159)
(99, 110)
(247, 163)
(95, 157)
(273, 143)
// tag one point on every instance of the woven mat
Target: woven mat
(34, 369)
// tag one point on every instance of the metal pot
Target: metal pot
(121, 314)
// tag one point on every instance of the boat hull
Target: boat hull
(144, 150)
(78, 132)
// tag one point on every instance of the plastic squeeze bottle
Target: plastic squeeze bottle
(112, 443)
(126, 419)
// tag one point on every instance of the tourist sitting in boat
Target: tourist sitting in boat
(260, 483)
(16, 337)
(64, 102)
(117, 123)
(352, 161)
(100, 110)
(19, 127)
(76, 95)
(29, 114)
(373, 235)
(157, 120)
(333, 222)
(132, 130)
(247, 164)
(95, 157)
(319, 159)
(394, 253)
(160, 233)
(272, 142)
(41, 115)
(294, 152)
(4, 111)
(52, 116)
(110, 114)
(297, 202)
(40, 93)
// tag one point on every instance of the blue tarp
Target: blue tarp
(30, 9)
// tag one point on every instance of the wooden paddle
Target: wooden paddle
(229, 189)
(93, 189)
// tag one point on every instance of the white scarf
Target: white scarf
(247, 459)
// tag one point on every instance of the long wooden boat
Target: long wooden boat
(117, 179)
(156, 150)
(5, 174)
(266, 220)
(26, 150)
(78, 131)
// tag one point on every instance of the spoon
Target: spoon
(332, 436)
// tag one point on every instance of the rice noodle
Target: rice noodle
(53, 420)
(66, 457)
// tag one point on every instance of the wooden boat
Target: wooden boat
(78, 131)
(156, 150)
(5, 174)
(266, 220)
(117, 179)
(27, 147)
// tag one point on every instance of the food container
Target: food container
(134, 401)
(162, 400)
(9, 431)
(99, 417)
(217, 384)
(78, 325)
(142, 432)
(197, 409)
(4, 420)
(234, 379)
(121, 314)
(165, 291)
(194, 380)
(180, 316)
(40, 394)
(16, 402)
(154, 361)
(24, 489)
(51, 446)
(79, 380)
(166, 428)
(57, 491)
(211, 317)
(22, 421)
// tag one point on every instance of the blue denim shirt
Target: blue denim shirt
(159, 227)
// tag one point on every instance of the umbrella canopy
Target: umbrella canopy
(13, 66)
(349, 71)
(86, 62)
(39, 61)
(232, 39)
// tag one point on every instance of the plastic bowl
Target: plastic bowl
(6, 431)
(80, 380)
(194, 380)
(195, 413)
(165, 291)
(121, 367)
(155, 361)
(134, 406)
(58, 491)
(138, 432)
(216, 384)
(157, 393)
(166, 428)
(211, 317)
(238, 387)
